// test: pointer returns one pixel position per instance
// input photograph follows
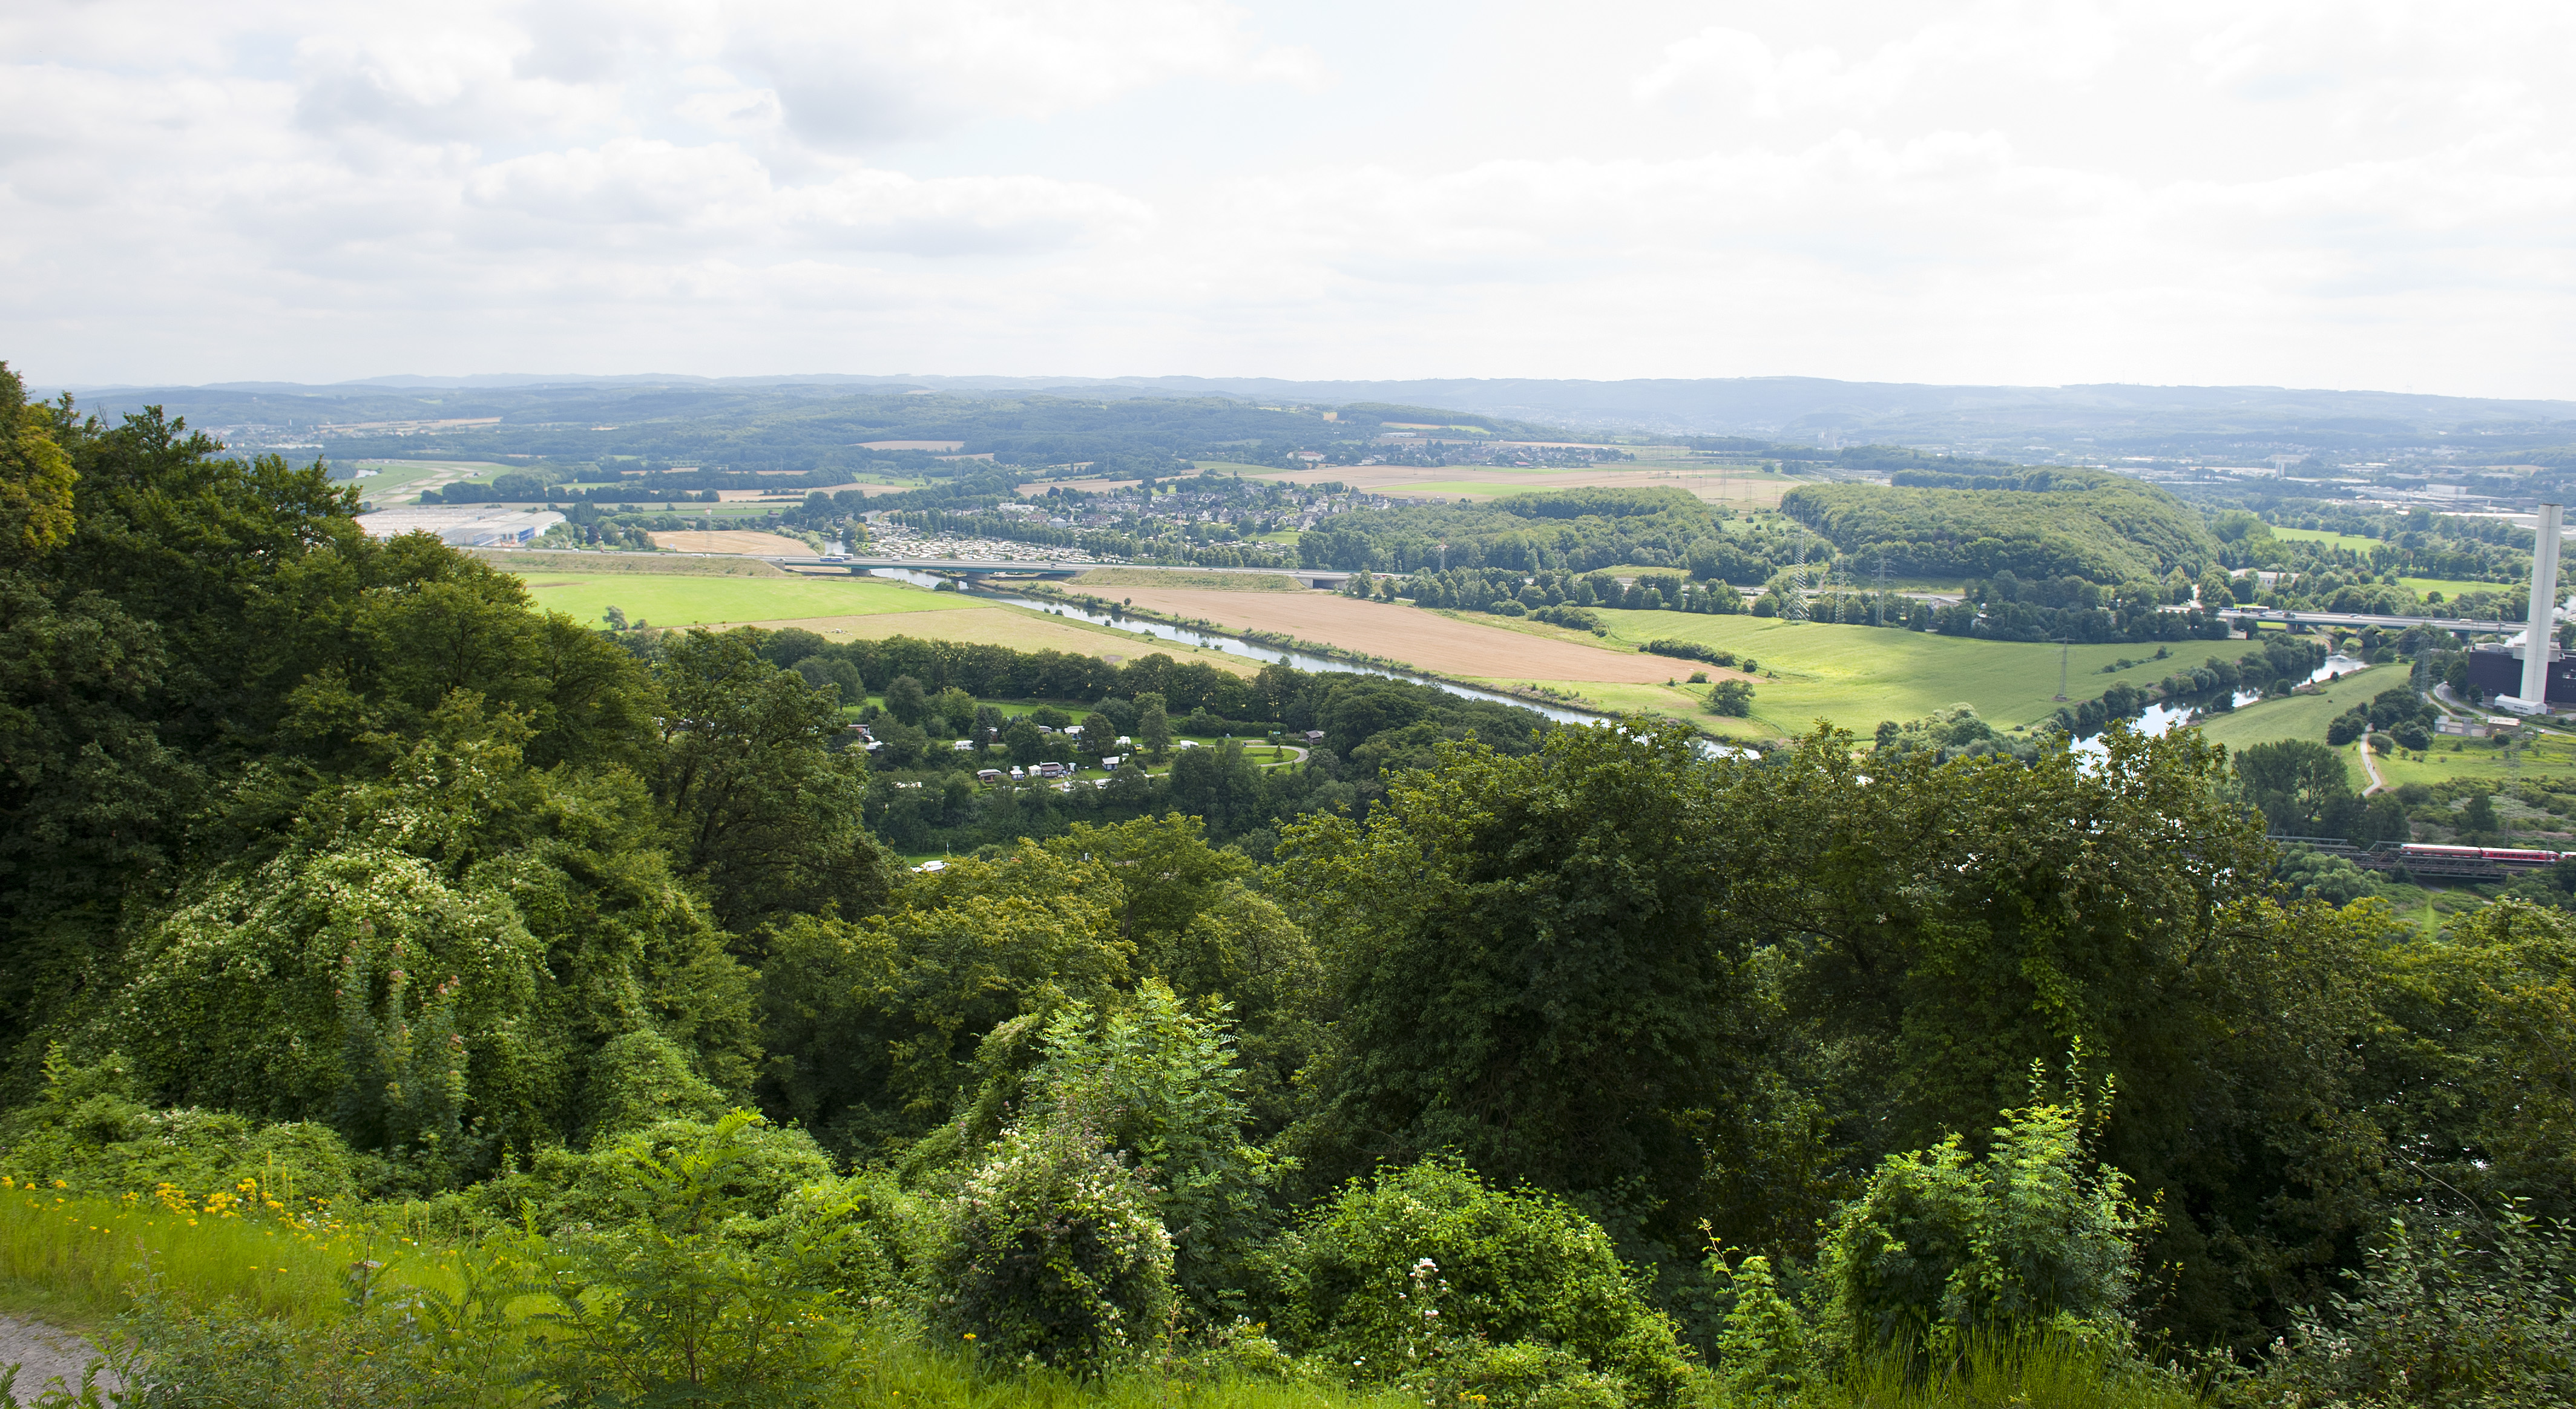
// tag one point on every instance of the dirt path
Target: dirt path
(2369, 766)
(42, 1354)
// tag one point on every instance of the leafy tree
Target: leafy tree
(36, 477)
(2300, 785)
(2478, 815)
(1153, 726)
(430, 962)
(2470, 1065)
(1731, 697)
(1529, 965)
(906, 700)
(762, 811)
(2469, 1313)
(1955, 943)
(873, 1024)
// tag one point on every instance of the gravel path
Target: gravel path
(41, 1353)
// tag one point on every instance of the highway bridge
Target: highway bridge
(2250, 616)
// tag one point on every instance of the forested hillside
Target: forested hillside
(412, 998)
(2103, 528)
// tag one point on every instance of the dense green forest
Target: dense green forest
(537, 1002)
(2103, 528)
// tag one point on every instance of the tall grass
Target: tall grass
(2032, 1371)
(238, 1255)
(83, 1254)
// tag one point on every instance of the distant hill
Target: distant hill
(2022, 424)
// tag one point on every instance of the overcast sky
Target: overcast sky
(2344, 194)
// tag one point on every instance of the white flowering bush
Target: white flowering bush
(1052, 1252)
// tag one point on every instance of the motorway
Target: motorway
(2273, 617)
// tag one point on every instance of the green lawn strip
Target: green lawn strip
(684, 600)
(2480, 760)
(2302, 716)
(1679, 701)
(2451, 587)
(2353, 541)
(1855, 676)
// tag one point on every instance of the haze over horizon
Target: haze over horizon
(2297, 195)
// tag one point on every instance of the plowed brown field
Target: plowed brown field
(1424, 640)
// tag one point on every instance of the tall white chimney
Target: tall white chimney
(2544, 596)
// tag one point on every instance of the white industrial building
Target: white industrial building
(464, 525)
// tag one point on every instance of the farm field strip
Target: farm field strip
(1114, 579)
(732, 540)
(1015, 627)
(1425, 640)
(699, 601)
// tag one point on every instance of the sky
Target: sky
(2351, 194)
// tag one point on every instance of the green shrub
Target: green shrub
(642, 1077)
(1052, 1253)
(1160, 1086)
(1942, 1245)
(90, 1131)
(674, 1305)
(2480, 1318)
(854, 1236)
(1428, 1263)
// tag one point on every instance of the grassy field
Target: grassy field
(2300, 716)
(2553, 755)
(401, 481)
(1018, 628)
(2354, 541)
(687, 600)
(1855, 676)
(2450, 586)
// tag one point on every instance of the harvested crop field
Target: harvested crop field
(1106, 579)
(732, 540)
(1422, 639)
(1013, 627)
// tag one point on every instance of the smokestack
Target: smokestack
(2536, 639)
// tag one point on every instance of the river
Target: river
(1234, 646)
(2159, 718)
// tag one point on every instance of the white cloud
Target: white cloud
(2356, 193)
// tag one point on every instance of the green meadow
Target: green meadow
(1855, 676)
(2354, 541)
(688, 600)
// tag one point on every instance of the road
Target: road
(42, 1353)
(2369, 766)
